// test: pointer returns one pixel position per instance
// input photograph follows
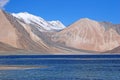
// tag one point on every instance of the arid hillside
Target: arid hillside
(33, 34)
(91, 35)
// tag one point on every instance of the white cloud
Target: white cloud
(3, 3)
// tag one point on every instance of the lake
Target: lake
(60, 67)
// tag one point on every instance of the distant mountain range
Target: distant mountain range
(26, 33)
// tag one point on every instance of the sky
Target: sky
(67, 11)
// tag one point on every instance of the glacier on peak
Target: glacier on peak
(39, 22)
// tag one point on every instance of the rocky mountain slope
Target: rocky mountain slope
(16, 35)
(115, 50)
(12, 32)
(88, 34)
(24, 32)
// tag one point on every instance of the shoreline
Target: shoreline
(13, 67)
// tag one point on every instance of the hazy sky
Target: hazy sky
(68, 11)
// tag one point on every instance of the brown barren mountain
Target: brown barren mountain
(87, 34)
(20, 36)
(83, 36)
(15, 36)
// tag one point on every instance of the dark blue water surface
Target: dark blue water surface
(62, 67)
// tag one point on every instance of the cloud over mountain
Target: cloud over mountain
(3, 3)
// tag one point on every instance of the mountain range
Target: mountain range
(26, 33)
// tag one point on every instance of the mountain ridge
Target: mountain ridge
(89, 35)
(83, 36)
(25, 37)
(39, 22)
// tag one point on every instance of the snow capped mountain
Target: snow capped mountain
(39, 22)
(57, 24)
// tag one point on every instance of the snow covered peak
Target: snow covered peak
(39, 22)
(57, 24)
(26, 17)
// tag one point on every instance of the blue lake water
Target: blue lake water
(62, 67)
